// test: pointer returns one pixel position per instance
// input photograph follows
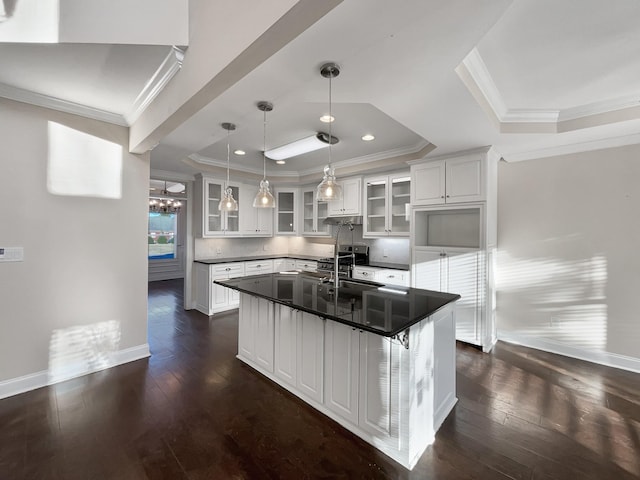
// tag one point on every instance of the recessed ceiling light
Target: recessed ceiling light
(368, 137)
(239, 152)
(327, 118)
(280, 162)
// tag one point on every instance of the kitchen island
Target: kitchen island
(378, 360)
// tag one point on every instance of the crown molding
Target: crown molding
(158, 174)
(53, 103)
(364, 159)
(476, 76)
(162, 76)
(556, 150)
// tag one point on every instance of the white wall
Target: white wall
(568, 271)
(83, 281)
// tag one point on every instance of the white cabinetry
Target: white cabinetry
(351, 201)
(284, 264)
(256, 332)
(211, 222)
(459, 179)
(306, 265)
(387, 276)
(452, 245)
(342, 370)
(211, 297)
(366, 382)
(313, 214)
(286, 214)
(386, 206)
(455, 271)
(258, 267)
(254, 222)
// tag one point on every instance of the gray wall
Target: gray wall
(83, 282)
(568, 268)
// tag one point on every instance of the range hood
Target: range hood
(343, 220)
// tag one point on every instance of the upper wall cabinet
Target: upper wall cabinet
(313, 214)
(351, 198)
(286, 214)
(212, 222)
(386, 206)
(254, 222)
(452, 180)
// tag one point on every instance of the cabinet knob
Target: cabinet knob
(441, 196)
(391, 276)
(448, 196)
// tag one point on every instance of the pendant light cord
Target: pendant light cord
(264, 144)
(228, 155)
(330, 122)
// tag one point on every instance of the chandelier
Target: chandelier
(164, 204)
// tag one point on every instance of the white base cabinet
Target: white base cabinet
(210, 297)
(392, 396)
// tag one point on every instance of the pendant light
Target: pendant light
(329, 189)
(264, 198)
(227, 202)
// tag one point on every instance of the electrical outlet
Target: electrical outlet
(219, 251)
(385, 253)
(265, 247)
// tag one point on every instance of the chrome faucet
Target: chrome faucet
(337, 256)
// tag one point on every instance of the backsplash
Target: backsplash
(387, 250)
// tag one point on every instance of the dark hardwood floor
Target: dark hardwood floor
(192, 411)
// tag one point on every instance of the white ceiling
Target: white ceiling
(528, 65)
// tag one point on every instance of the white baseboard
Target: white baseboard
(17, 385)
(614, 360)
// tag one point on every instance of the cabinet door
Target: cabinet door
(342, 364)
(427, 269)
(399, 203)
(428, 181)
(263, 322)
(379, 398)
(463, 278)
(313, 214)
(219, 294)
(285, 342)
(246, 328)
(375, 207)
(350, 204)
(264, 222)
(310, 355)
(464, 180)
(213, 218)
(352, 196)
(285, 215)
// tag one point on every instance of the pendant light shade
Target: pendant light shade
(264, 197)
(328, 189)
(227, 202)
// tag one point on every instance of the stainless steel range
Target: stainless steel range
(349, 255)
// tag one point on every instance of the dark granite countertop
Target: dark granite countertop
(295, 256)
(368, 306)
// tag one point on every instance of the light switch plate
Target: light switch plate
(11, 254)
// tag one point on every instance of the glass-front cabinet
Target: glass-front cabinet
(286, 219)
(387, 206)
(313, 214)
(214, 222)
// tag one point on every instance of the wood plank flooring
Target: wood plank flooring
(192, 411)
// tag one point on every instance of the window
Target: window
(162, 235)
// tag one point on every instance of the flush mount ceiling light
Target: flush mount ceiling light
(329, 189)
(239, 152)
(368, 137)
(304, 145)
(227, 202)
(327, 119)
(264, 198)
(280, 162)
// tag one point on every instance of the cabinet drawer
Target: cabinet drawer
(235, 269)
(393, 277)
(258, 266)
(306, 265)
(364, 273)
